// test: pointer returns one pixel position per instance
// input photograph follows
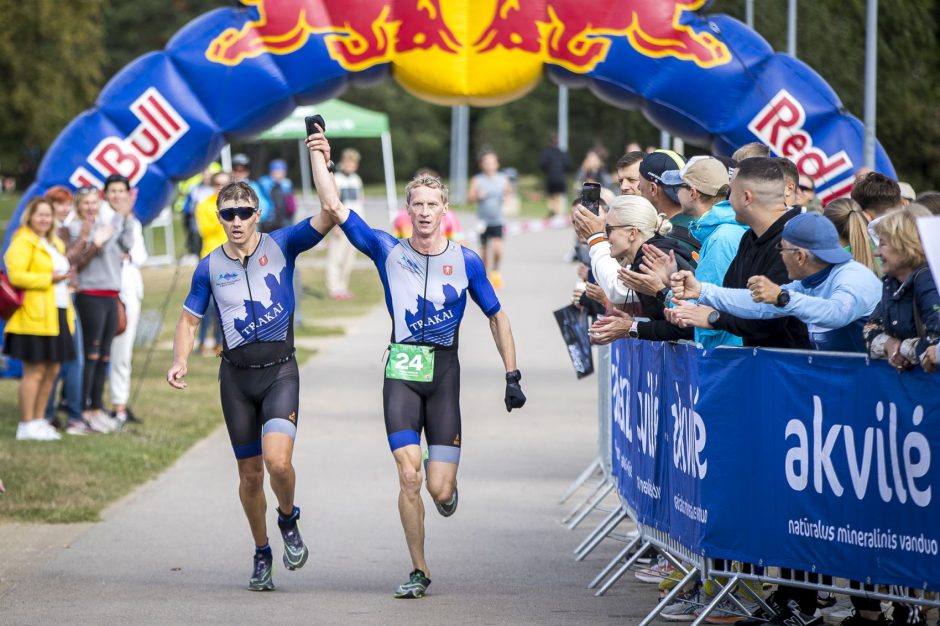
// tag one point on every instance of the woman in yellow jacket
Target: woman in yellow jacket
(40, 332)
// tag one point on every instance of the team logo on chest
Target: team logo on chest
(263, 260)
(448, 270)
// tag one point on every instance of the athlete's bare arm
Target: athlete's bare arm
(183, 343)
(502, 335)
(326, 186)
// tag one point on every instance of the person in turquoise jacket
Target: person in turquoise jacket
(703, 184)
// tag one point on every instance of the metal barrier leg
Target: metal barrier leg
(580, 480)
(623, 570)
(725, 591)
(593, 505)
(601, 531)
(613, 563)
(587, 499)
(669, 597)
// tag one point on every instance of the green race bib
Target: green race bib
(410, 362)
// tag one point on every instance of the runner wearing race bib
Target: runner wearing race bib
(426, 279)
(250, 277)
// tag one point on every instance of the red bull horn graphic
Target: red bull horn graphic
(498, 52)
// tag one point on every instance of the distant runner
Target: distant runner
(250, 277)
(426, 280)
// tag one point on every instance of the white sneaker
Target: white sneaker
(662, 569)
(34, 431)
(79, 427)
(101, 422)
(51, 433)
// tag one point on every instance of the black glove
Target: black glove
(515, 399)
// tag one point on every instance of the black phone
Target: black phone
(310, 120)
(591, 197)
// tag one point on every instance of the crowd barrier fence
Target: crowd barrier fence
(813, 462)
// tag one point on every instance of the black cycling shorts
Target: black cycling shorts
(491, 232)
(256, 402)
(433, 407)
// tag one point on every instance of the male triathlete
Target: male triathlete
(251, 277)
(426, 280)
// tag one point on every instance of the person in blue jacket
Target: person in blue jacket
(831, 293)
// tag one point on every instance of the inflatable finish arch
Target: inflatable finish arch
(234, 72)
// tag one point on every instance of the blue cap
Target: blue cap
(814, 232)
(278, 164)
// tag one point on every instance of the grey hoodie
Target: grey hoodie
(103, 270)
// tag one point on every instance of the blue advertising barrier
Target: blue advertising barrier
(810, 461)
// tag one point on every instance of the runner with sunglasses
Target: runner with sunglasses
(426, 280)
(250, 276)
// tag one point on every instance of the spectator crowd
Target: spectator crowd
(740, 252)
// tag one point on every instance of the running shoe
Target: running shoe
(416, 586)
(295, 551)
(496, 279)
(727, 612)
(662, 569)
(447, 508)
(684, 608)
(262, 576)
(79, 427)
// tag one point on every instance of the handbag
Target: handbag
(11, 298)
(121, 318)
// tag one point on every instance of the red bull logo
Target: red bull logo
(358, 35)
(489, 50)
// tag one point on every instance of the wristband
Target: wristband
(596, 238)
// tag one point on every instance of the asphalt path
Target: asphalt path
(178, 549)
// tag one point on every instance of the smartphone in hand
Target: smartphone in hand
(591, 197)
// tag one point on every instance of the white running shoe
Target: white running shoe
(101, 422)
(36, 430)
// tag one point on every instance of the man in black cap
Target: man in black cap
(665, 198)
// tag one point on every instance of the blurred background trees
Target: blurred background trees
(56, 56)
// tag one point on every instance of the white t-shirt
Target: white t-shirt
(60, 265)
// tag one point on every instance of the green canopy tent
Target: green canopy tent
(343, 120)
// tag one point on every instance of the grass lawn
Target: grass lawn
(74, 479)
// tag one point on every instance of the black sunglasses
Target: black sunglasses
(243, 213)
(781, 248)
(609, 229)
(805, 188)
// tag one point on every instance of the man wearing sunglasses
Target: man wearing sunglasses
(426, 280)
(250, 277)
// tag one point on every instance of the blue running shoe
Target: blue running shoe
(295, 552)
(261, 578)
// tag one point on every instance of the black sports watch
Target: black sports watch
(331, 167)
(783, 298)
(713, 317)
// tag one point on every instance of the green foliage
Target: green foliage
(135, 27)
(50, 57)
(831, 40)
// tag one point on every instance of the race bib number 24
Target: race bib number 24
(410, 362)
